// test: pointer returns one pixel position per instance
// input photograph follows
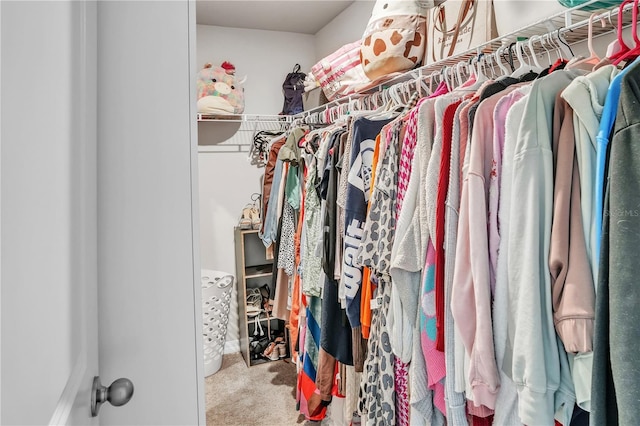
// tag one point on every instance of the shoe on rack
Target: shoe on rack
(256, 223)
(275, 353)
(258, 346)
(250, 218)
(282, 350)
(246, 218)
(270, 349)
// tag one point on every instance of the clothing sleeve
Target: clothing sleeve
(359, 184)
(528, 286)
(351, 274)
(325, 375)
(624, 260)
(471, 293)
(269, 220)
(507, 401)
(604, 406)
(537, 368)
(456, 401)
(405, 276)
(530, 321)
(571, 281)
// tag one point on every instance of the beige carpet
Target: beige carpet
(263, 395)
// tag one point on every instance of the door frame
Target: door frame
(195, 216)
(0, 214)
(87, 364)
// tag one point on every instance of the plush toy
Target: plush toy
(219, 91)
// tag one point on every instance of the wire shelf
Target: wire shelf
(572, 24)
(235, 133)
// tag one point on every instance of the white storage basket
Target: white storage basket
(216, 300)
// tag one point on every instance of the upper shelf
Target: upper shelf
(234, 133)
(572, 24)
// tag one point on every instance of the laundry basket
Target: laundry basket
(216, 299)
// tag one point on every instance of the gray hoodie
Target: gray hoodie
(616, 382)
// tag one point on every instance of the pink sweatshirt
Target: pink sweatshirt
(471, 293)
(499, 119)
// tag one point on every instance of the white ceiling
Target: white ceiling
(296, 16)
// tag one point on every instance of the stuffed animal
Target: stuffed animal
(219, 91)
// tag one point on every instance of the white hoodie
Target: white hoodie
(586, 96)
(536, 363)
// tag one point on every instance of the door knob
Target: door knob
(119, 393)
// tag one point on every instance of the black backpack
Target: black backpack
(293, 88)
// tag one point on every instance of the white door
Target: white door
(149, 309)
(48, 246)
(97, 257)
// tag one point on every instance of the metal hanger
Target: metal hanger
(564, 45)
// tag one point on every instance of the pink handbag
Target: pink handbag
(341, 73)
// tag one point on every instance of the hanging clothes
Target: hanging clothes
(617, 390)
(449, 253)
(506, 410)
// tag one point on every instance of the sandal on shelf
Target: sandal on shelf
(246, 219)
(254, 302)
(250, 218)
(267, 303)
(256, 223)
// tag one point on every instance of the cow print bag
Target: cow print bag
(394, 39)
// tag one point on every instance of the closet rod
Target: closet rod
(245, 118)
(571, 24)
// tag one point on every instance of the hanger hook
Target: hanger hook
(513, 68)
(564, 42)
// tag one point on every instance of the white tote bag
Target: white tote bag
(457, 26)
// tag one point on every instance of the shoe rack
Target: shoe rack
(254, 268)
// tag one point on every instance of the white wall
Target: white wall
(265, 57)
(227, 180)
(344, 28)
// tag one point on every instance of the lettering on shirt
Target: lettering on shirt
(351, 271)
(360, 172)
